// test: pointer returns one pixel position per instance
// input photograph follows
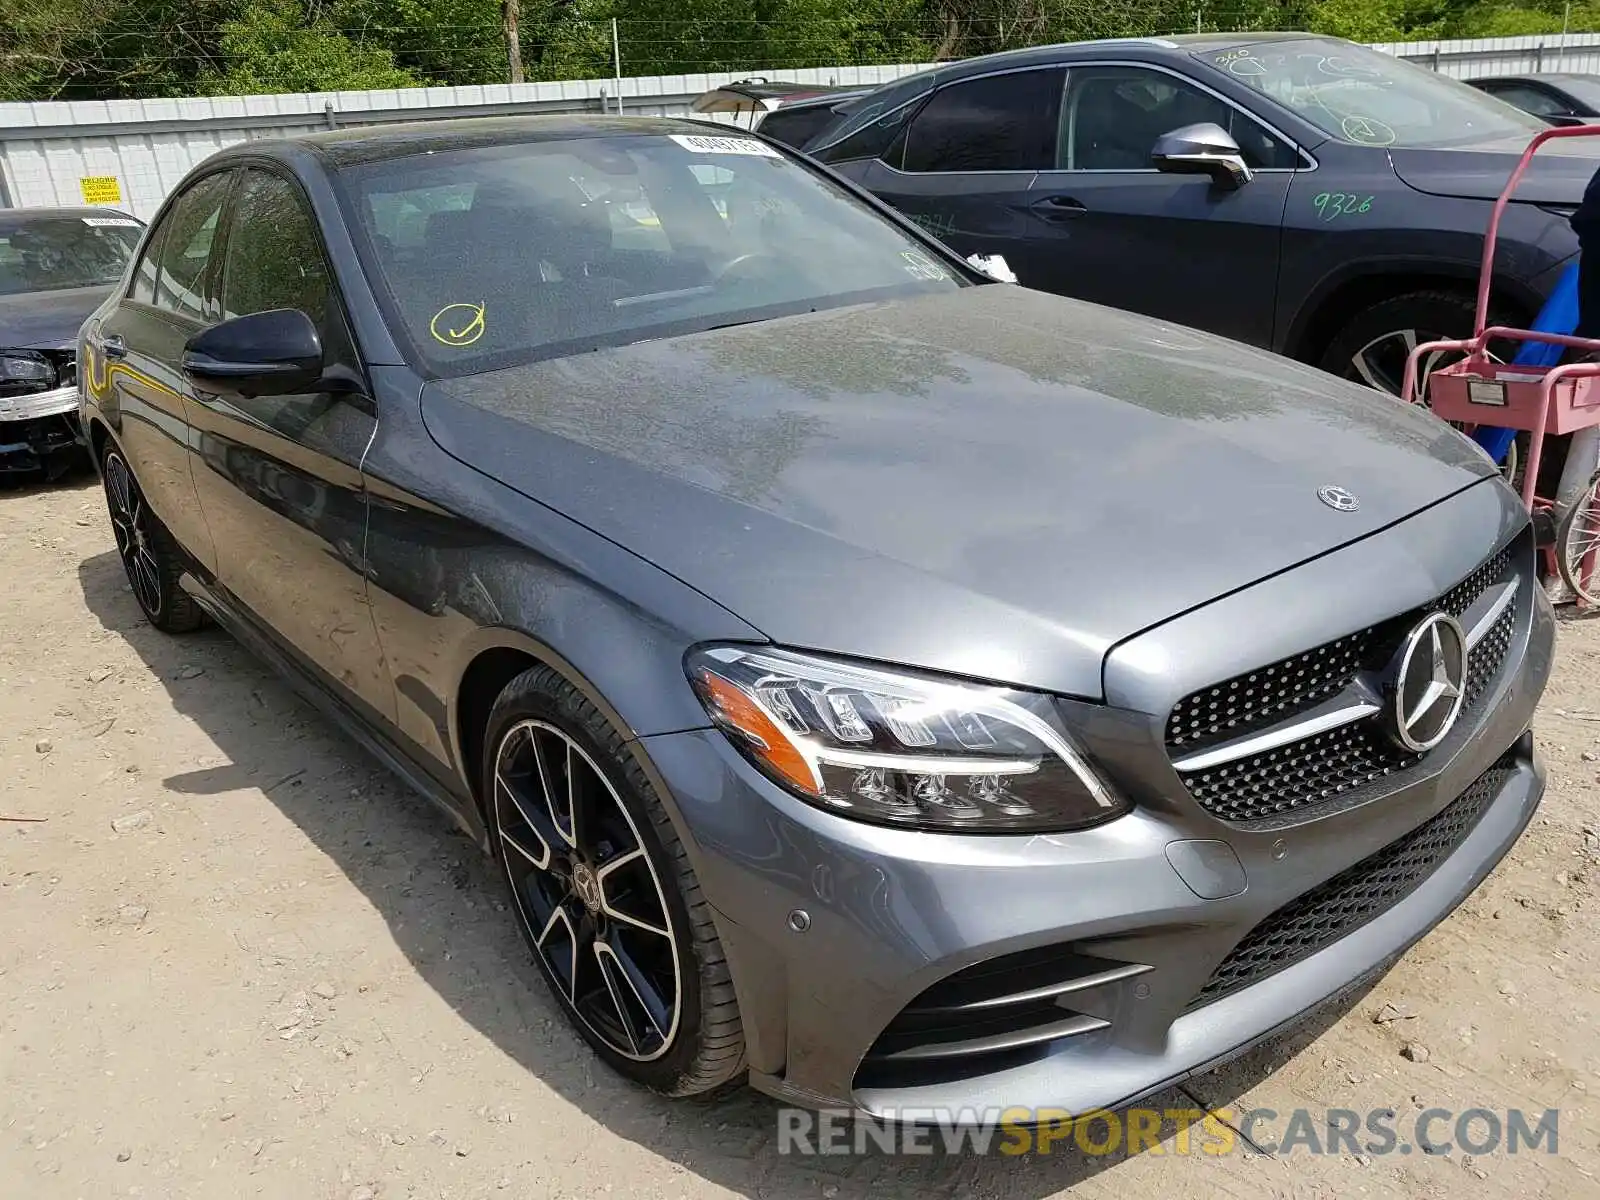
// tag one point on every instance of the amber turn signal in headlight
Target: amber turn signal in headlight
(884, 745)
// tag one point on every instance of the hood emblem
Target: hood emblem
(1429, 683)
(1338, 498)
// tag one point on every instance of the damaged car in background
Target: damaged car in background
(56, 266)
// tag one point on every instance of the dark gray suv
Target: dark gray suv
(1335, 213)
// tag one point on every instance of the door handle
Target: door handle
(1059, 208)
(112, 346)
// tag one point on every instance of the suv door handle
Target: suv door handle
(112, 346)
(1059, 208)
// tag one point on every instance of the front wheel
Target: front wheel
(604, 892)
(1373, 345)
(1577, 543)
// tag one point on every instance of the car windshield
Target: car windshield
(510, 253)
(48, 252)
(1368, 98)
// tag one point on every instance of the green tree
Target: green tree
(276, 46)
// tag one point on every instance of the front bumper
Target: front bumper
(39, 404)
(890, 913)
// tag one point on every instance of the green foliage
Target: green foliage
(275, 46)
(90, 49)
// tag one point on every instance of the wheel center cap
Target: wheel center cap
(585, 883)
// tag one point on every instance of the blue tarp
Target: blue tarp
(1559, 315)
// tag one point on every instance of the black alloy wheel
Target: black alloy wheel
(604, 894)
(147, 551)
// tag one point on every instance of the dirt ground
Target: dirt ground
(236, 958)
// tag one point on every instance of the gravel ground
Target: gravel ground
(236, 958)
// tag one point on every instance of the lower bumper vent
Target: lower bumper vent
(1341, 905)
(993, 1015)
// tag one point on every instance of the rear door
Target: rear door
(136, 349)
(1113, 229)
(279, 476)
(964, 165)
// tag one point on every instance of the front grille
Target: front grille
(1316, 769)
(1266, 696)
(1328, 765)
(1342, 905)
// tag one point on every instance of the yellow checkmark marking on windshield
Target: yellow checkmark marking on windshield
(457, 325)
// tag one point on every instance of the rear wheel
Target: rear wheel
(148, 552)
(604, 892)
(1578, 540)
(1373, 346)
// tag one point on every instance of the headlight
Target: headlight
(881, 745)
(24, 366)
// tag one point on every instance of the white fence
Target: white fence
(129, 153)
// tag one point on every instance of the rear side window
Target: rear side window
(997, 123)
(274, 254)
(1528, 99)
(144, 275)
(182, 283)
(797, 126)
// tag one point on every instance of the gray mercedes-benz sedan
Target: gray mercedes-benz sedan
(887, 685)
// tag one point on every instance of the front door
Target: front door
(1112, 229)
(279, 476)
(135, 349)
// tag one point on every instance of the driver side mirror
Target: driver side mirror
(1203, 149)
(278, 352)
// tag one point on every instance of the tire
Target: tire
(1579, 536)
(594, 890)
(149, 553)
(1372, 346)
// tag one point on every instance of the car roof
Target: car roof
(75, 210)
(376, 143)
(1030, 55)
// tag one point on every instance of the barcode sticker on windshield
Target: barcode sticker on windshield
(705, 144)
(99, 222)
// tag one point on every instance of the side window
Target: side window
(795, 127)
(1530, 100)
(274, 254)
(182, 283)
(1114, 115)
(997, 123)
(275, 260)
(143, 287)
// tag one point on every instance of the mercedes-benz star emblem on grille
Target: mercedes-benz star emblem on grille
(1338, 498)
(1429, 683)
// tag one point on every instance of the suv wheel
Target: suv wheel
(1373, 346)
(604, 892)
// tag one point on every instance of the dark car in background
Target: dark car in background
(791, 113)
(1556, 99)
(891, 686)
(1298, 193)
(56, 266)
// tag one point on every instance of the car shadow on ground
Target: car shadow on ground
(441, 900)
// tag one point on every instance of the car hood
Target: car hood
(47, 320)
(993, 481)
(1557, 175)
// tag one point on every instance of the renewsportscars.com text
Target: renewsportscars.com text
(1181, 1131)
